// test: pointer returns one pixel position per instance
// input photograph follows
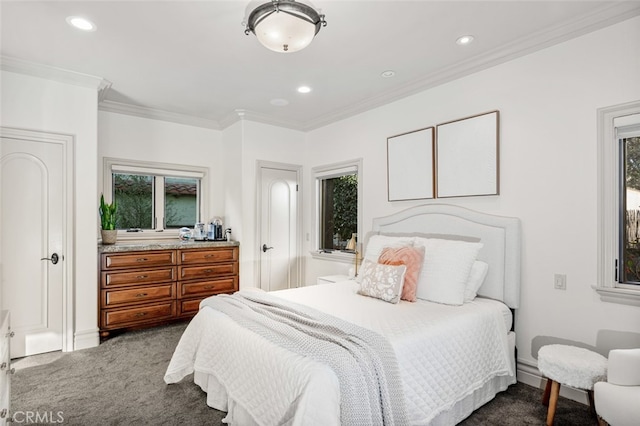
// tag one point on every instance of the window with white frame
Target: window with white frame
(338, 207)
(619, 204)
(154, 197)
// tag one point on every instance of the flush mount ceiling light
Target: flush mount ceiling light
(285, 25)
(81, 23)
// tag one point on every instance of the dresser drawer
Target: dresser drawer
(114, 318)
(190, 257)
(207, 271)
(142, 276)
(138, 259)
(207, 288)
(189, 307)
(142, 294)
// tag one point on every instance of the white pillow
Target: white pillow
(377, 243)
(446, 268)
(476, 278)
(383, 282)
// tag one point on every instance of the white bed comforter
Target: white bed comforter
(444, 354)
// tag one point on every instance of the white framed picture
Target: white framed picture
(410, 172)
(467, 156)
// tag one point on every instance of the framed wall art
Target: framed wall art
(467, 161)
(410, 165)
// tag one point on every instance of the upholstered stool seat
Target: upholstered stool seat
(572, 366)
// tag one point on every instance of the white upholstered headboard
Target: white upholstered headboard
(499, 234)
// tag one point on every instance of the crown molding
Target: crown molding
(597, 19)
(52, 73)
(243, 114)
(157, 114)
(103, 90)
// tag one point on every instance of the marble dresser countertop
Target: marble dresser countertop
(124, 246)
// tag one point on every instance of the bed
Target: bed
(430, 361)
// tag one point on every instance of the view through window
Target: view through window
(138, 199)
(133, 195)
(338, 211)
(630, 212)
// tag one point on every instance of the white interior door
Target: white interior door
(32, 228)
(279, 265)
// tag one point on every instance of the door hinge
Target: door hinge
(296, 187)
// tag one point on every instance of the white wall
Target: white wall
(231, 156)
(43, 105)
(232, 142)
(143, 139)
(259, 142)
(547, 102)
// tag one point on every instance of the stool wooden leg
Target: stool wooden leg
(553, 402)
(547, 393)
(592, 404)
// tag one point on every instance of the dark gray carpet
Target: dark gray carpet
(121, 382)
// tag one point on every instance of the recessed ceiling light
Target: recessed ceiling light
(81, 23)
(388, 73)
(279, 102)
(304, 89)
(464, 40)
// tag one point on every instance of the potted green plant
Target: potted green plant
(108, 221)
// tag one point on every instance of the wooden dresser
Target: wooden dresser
(141, 288)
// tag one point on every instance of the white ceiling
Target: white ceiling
(190, 61)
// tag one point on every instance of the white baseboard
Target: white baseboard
(529, 374)
(86, 339)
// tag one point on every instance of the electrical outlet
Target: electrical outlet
(560, 281)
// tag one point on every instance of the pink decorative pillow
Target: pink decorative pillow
(412, 258)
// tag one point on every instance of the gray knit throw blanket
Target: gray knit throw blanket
(363, 361)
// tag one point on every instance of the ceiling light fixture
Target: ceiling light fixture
(81, 23)
(304, 89)
(464, 40)
(285, 25)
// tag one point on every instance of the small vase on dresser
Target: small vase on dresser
(109, 236)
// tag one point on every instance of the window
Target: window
(619, 204)
(338, 208)
(154, 196)
(629, 270)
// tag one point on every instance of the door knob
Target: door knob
(265, 248)
(54, 258)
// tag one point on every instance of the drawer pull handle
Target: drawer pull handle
(141, 294)
(208, 271)
(142, 277)
(208, 287)
(12, 371)
(141, 314)
(11, 334)
(209, 255)
(141, 259)
(3, 366)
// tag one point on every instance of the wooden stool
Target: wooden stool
(572, 366)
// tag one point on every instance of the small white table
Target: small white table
(331, 279)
